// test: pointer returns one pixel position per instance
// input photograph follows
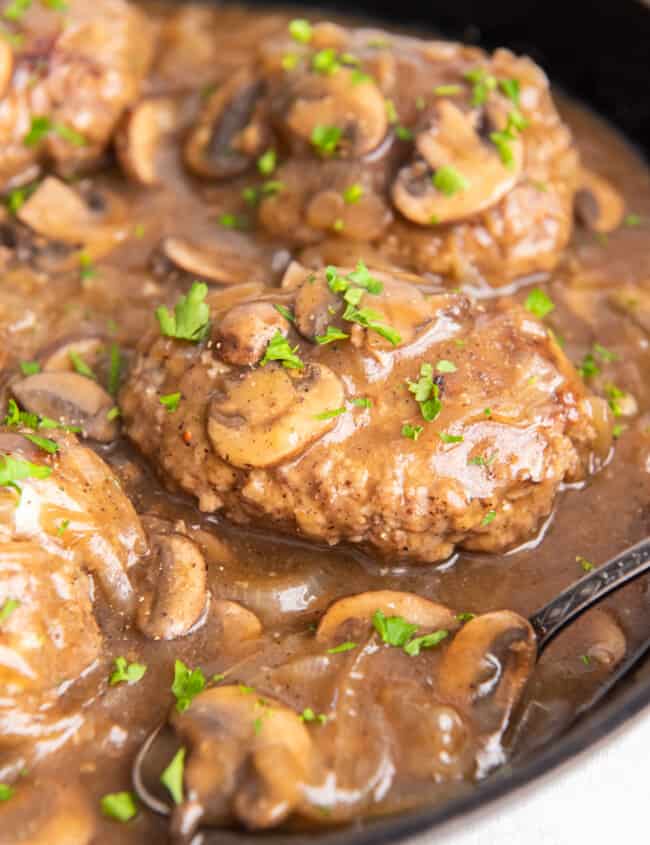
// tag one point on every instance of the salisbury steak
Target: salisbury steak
(355, 406)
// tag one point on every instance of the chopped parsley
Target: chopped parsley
(482, 460)
(465, 616)
(343, 647)
(362, 402)
(8, 607)
(6, 792)
(617, 430)
(449, 181)
(125, 672)
(286, 313)
(278, 349)
(588, 368)
(16, 9)
(86, 267)
(391, 111)
(605, 355)
(585, 564)
(120, 806)
(444, 366)
(41, 126)
(289, 61)
(482, 84)
(539, 303)
(586, 659)
(613, 394)
(325, 61)
(427, 393)
(30, 368)
(512, 89)
(450, 438)
(412, 431)
(394, 630)
(353, 193)
(403, 132)
(172, 777)
(16, 198)
(80, 365)
(489, 517)
(632, 220)
(115, 369)
(13, 470)
(266, 163)
(62, 527)
(187, 684)
(329, 415)
(487, 412)
(338, 225)
(331, 334)
(300, 30)
(431, 640)
(113, 413)
(370, 319)
(447, 90)
(326, 139)
(232, 221)
(170, 401)
(308, 715)
(191, 317)
(44, 443)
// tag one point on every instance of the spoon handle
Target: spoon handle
(554, 616)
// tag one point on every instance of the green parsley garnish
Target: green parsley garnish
(482, 460)
(172, 777)
(125, 672)
(8, 607)
(62, 527)
(289, 61)
(6, 791)
(613, 394)
(489, 517)
(266, 162)
(412, 431)
(512, 89)
(328, 415)
(113, 413)
(394, 630)
(331, 334)
(447, 90)
(300, 30)
(139, 231)
(325, 139)
(41, 126)
(465, 617)
(431, 640)
(115, 369)
(487, 412)
(353, 193)
(483, 83)
(343, 647)
(120, 806)
(427, 393)
(86, 267)
(170, 401)
(232, 221)
(539, 303)
(403, 133)
(278, 349)
(391, 111)
(450, 438)
(449, 181)
(370, 319)
(308, 715)
(16, 9)
(325, 61)
(67, 133)
(44, 443)
(617, 430)
(362, 402)
(585, 564)
(586, 659)
(191, 317)
(30, 368)
(632, 220)
(286, 313)
(13, 470)
(444, 366)
(187, 684)
(588, 368)
(80, 365)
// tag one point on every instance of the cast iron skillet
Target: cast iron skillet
(596, 50)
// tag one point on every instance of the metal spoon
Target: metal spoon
(546, 622)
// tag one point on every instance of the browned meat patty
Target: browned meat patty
(65, 80)
(448, 160)
(365, 410)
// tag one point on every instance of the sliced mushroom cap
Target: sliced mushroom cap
(634, 302)
(222, 262)
(598, 205)
(180, 591)
(272, 414)
(484, 670)
(453, 140)
(238, 623)
(361, 608)
(56, 356)
(42, 813)
(249, 756)
(244, 332)
(315, 306)
(71, 399)
(357, 108)
(231, 130)
(139, 138)
(6, 65)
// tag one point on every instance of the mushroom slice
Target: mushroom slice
(361, 608)
(249, 756)
(315, 306)
(180, 592)
(43, 812)
(358, 110)
(452, 141)
(238, 623)
(71, 399)
(633, 301)
(231, 129)
(138, 139)
(245, 331)
(598, 205)
(6, 65)
(56, 357)
(272, 414)
(484, 670)
(219, 262)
